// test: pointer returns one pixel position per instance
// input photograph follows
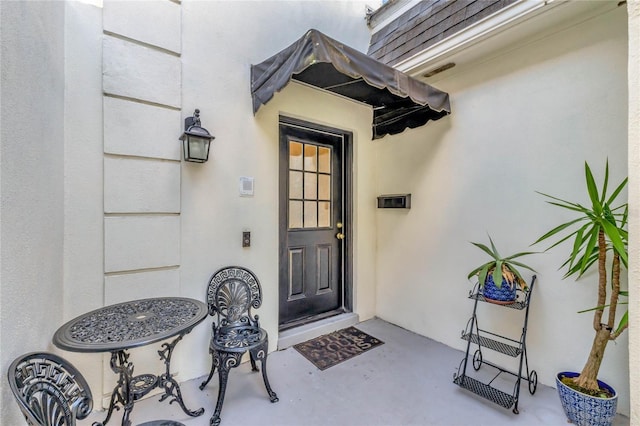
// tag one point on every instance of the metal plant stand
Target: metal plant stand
(473, 334)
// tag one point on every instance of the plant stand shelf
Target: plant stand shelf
(486, 391)
(518, 304)
(485, 339)
(492, 344)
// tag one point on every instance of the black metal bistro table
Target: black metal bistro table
(117, 328)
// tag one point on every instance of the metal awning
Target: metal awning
(398, 100)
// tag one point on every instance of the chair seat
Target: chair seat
(238, 338)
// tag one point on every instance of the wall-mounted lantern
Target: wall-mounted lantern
(195, 139)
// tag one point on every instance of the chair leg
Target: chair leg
(223, 375)
(225, 362)
(254, 367)
(261, 354)
(213, 369)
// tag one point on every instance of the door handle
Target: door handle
(340, 236)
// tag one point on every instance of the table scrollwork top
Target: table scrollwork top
(130, 324)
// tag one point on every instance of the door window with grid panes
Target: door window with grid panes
(309, 186)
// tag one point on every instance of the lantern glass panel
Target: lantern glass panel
(198, 148)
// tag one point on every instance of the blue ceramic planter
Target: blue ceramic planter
(586, 410)
(505, 294)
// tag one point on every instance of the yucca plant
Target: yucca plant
(500, 267)
(596, 231)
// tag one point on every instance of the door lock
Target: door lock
(340, 236)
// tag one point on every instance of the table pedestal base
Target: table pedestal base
(130, 388)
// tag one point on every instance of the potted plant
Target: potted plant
(595, 232)
(499, 277)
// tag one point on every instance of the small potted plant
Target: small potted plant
(595, 231)
(499, 278)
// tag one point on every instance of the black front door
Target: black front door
(312, 228)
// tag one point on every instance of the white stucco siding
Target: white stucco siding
(141, 69)
(135, 71)
(220, 42)
(141, 130)
(131, 286)
(32, 183)
(523, 120)
(141, 186)
(83, 245)
(70, 155)
(141, 242)
(83, 227)
(153, 22)
(634, 210)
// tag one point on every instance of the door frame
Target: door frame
(347, 206)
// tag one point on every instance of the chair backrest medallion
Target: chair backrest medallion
(231, 293)
(49, 389)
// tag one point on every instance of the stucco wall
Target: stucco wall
(524, 120)
(634, 204)
(106, 206)
(90, 156)
(83, 186)
(31, 188)
(216, 63)
(141, 69)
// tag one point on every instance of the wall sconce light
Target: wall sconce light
(195, 139)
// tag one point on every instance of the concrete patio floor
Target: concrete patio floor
(406, 381)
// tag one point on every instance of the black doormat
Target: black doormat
(333, 348)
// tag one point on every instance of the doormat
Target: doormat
(334, 348)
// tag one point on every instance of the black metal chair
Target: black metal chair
(49, 390)
(231, 293)
(52, 392)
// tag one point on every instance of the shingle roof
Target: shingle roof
(427, 23)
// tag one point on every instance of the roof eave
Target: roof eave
(503, 19)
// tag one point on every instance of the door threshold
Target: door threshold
(310, 319)
(293, 336)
